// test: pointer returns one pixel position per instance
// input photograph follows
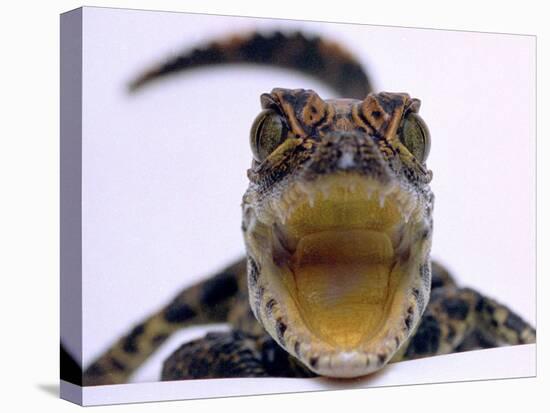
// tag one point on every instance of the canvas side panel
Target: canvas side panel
(71, 205)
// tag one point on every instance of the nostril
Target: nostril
(345, 136)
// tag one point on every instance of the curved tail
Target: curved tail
(319, 58)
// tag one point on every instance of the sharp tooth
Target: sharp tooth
(311, 199)
(382, 199)
(402, 203)
(407, 212)
(370, 191)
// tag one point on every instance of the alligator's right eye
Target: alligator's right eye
(268, 132)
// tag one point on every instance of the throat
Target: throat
(342, 282)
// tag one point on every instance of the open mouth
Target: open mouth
(342, 249)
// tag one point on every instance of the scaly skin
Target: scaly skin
(340, 174)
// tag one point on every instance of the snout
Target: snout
(349, 152)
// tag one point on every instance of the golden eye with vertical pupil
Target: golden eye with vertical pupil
(416, 137)
(267, 133)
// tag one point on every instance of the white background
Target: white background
(30, 219)
(164, 170)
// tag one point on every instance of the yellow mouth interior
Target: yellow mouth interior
(342, 277)
(341, 251)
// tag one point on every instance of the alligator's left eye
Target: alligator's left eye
(267, 133)
(416, 137)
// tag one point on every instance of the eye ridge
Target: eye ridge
(265, 136)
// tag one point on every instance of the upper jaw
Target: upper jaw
(339, 258)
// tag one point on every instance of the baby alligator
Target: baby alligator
(337, 221)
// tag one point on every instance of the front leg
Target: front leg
(461, 319)
(231, 354)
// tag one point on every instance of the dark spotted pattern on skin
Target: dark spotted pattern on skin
(514, 323)
(253, 271)
(501, 325)
(179, 312)
(455, 319)
(409, 318)
(95, 370)
(270, 304)
(461, 319)
(118, 365)
(217, 290)
(131, 341)
(311, 55)
(314, 361)
(457, 308)
(233, 354)
(281, 328)
(206, 302)
(278, 362)
(426, 339)
(159, 339)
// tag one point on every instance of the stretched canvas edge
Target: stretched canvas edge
(71, 204)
